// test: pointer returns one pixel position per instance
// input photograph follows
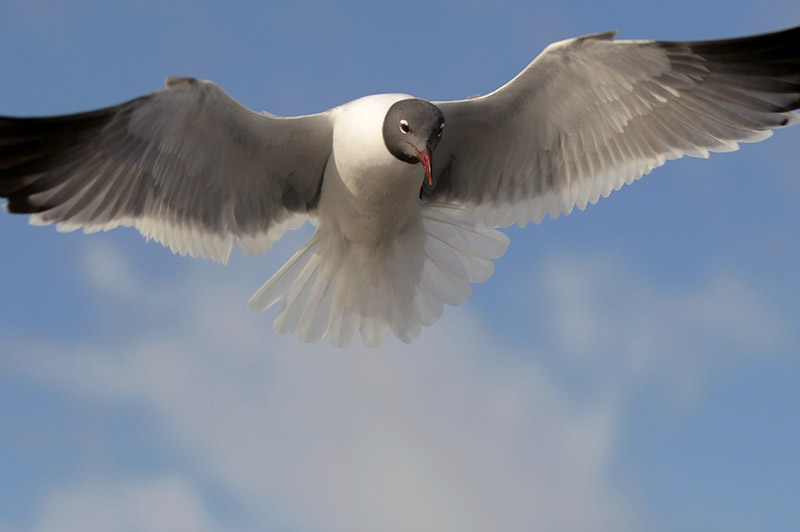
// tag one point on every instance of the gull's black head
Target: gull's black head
(412, 130)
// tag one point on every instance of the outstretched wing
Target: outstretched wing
(591, 114)
(187, 166)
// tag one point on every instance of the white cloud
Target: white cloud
(161, 505)
(444, 434)
(428, 438)
(109, 272)
(456, 431)
(628, 331)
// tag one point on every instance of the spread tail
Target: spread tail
(334, 289)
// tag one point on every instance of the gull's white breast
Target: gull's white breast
(368, 194)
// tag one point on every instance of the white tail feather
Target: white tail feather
(335, 289)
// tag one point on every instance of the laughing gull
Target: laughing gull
(406, 194)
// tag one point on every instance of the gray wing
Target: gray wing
(187, 166)
(591, 114)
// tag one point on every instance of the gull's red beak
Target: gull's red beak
(425, 159)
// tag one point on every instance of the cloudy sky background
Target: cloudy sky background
(630, 367)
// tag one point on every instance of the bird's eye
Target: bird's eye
(441, 129)
(404, 126)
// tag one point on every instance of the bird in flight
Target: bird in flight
(406, 193)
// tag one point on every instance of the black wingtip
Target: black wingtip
(32, 149)
(21, 204)
(764, 44)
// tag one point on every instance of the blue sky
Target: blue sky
(630, 367)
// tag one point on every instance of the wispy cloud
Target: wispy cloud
(458, 431)
(160, 505)
(627, 331)
(445, 434)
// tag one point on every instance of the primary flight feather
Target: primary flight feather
(405, 193)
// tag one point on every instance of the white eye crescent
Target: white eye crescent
(441, 128)
(404, 126)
